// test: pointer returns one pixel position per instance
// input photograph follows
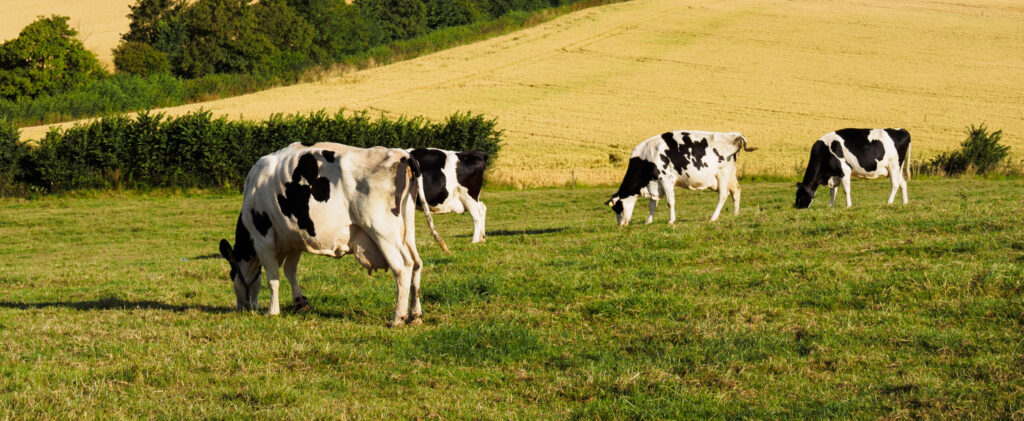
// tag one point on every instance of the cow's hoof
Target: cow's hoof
(416, 321)
(301, 304)
(398, 323)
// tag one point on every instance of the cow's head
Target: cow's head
(245, 276)
(804, 195)
(623, 208)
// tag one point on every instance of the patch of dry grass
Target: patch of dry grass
(572, 91)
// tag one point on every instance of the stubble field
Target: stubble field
(574, 91)
(115, 305)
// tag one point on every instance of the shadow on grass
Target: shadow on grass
(505, 233)
(115, 304)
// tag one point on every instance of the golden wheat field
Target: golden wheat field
(572, 93)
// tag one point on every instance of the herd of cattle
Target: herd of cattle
(333, 200)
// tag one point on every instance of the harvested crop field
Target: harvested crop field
(575, 94)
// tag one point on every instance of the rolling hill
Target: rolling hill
(575, 94)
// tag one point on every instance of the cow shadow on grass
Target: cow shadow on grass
(115, 304)
(507, 233)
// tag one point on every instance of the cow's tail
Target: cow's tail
(906, 162)
(417, 179)
(745, 147)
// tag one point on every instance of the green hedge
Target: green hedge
(197, 150)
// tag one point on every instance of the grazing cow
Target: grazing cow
(332, 200)
(866, 153)
(452, 182)
(695, 160)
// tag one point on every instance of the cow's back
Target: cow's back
(311, 198)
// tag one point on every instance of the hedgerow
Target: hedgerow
(197, 150)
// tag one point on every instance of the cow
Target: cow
(452, 182)
(865, 153)
(696, 160)
(332, 200)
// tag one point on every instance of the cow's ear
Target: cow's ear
(799, 185)
(225, 250)
(611, 202)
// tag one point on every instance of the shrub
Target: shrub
(137, 58)
(196, 150)
(46, 58)
(981, 152)
(12, 151)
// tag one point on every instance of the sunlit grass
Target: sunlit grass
(116, 305)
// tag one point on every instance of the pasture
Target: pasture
(577, 93)
(116, 305)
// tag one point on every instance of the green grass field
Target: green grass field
(115, 305)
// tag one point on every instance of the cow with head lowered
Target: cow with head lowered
(332, 200)
(865, 153)
(452, 181)
(696, 160)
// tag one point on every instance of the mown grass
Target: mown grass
(117, 306)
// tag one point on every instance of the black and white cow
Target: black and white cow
(332, 200)
(452, 182)
(696, 160)
(866, 153)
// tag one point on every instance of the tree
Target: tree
(46, 58)
(146, 16)
(398, 19)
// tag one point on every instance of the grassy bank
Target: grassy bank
(116, 305)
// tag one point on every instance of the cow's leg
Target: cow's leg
(832, 195)
(723, 193)
(894, 178)
(270, 265)
(734, 189)
(401, 263)
(846, 188)
(668, 187)
(291, 266)
(478, 212)
(653, 205)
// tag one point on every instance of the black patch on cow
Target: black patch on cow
(363, 186)
(431, 164)
(617, 207)
(401, 178)
(295, 201)
(261, 221)
(329, 156)
(469, 171)
(901, 140)
(243, 250)
(685, 154)
(639, 173)
(837, 149)
(866, 152)
(720, 157)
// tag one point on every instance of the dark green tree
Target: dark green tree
(146, 17)
(223, 37)
(398, 19)
(339, 28)
(46, 58)
(443, 13)
(139, 58)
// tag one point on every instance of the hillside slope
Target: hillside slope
(577, 93)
